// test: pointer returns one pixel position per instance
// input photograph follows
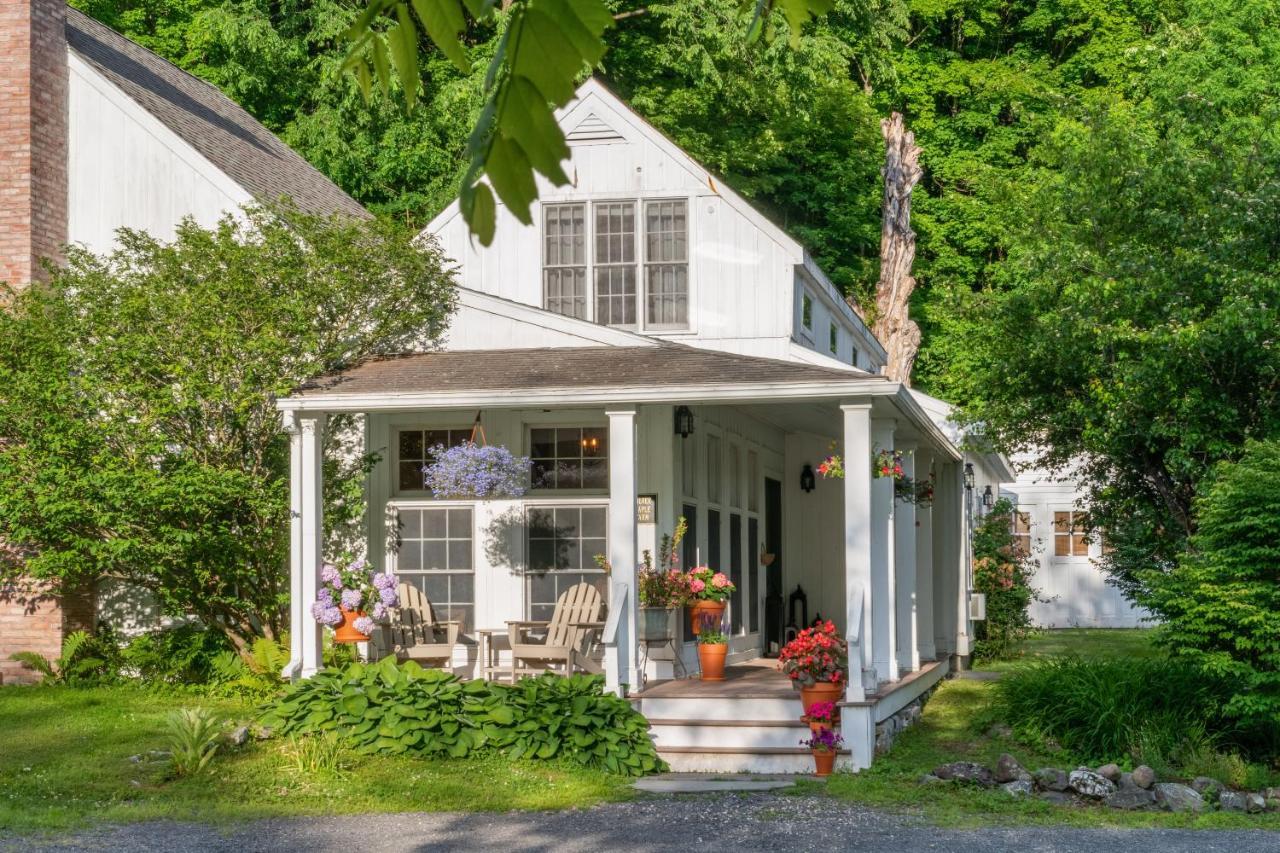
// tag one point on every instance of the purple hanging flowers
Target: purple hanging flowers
(351, 585)
(470, 470)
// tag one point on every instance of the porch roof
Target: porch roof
(606, 375)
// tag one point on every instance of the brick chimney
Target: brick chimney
(33, 225)
(33, 136)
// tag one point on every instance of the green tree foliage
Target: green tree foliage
(1004, 576)
(1222, 602)
(141, 440)
(1136, 316)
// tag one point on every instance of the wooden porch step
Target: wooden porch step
(739, 750)
(702, 721)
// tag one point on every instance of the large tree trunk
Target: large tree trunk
(895, 329)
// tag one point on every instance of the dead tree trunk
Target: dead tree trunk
(895, 329)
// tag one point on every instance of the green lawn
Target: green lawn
(1086, 642)
(65, 764)
(953, 728)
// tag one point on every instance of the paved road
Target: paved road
(756, 822)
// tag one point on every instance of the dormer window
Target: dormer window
(613, 266)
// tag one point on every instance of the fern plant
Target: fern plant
(82, 658)
(193, 735)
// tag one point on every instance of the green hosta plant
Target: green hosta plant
(402, 709)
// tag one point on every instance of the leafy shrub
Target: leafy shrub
(1004, 576)
(84, 659)
(1112, 709)
(398, 709)
(255, 672)
(193, 735)
(183, 654)
(1222, 602)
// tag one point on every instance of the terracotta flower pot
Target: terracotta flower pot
(818, 726)
(700, 610)
(346, 632)
(711, 659)
(823, 691)
(824, 762)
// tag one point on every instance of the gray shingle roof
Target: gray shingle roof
(566, 367)
(208, 120)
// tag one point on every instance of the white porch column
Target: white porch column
(857, 545)
(904, 564)
(297, 609)
(924, 563)
(883, 595)
(622, 537)
(309, 489)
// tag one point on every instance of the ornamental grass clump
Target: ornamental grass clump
(471, 470)
(351, 586)
(817, 655)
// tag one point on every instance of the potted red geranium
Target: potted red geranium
(817, 660)
(709, 593)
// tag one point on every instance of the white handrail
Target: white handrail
(617, 606)
(855, 690)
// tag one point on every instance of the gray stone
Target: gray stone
(1086, 783)
(135, 759)
(1000, 730)
(1254, 803)
(1052, 779)
(1019, 788)
(1008, 769)
(1144, 776)
(1179, 798)
(658, 785)
(1056, 798)
(965, 771)
(1232, 801)
(1131, 798)
(1206, 787)
(239, 737)
(1110, 772)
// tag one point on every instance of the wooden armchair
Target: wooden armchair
(415, 633)
(573, 626)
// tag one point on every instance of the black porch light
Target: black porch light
(684, 421)
(988, 499)
(807, 481)
(968, 476)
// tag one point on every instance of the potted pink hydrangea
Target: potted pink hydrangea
(353, 600)
(709, 593)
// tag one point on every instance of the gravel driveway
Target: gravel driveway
(689, 824)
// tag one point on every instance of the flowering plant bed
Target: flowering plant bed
(665, 586)
(826, 740)
(471, 470)
(817, 655)
(707, 585)
(353, 600)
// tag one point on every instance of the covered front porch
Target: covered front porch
(612, 472)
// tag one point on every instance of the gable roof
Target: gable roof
(208, 120)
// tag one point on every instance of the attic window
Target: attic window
(806, 311)
(834, 335)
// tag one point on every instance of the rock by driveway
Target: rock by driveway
(742, 822)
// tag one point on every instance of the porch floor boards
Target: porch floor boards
(756, 679)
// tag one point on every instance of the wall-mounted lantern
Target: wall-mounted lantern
(968, 476)
(807, 481)
(988, 499)
(684, 421)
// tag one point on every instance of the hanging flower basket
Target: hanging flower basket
(471, 470)
(352, 600)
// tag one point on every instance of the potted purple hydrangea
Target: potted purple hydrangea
(471, 470)
(353, 600)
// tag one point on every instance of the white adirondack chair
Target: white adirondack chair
(416, 635)
(574, 624)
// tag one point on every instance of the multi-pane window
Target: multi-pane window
(753, 481)
(435, 554)
(415, 453)
(689, 467)
(563, 544)
(613, 264)
(615, 271)
(564, 262)
(569, 457)
(667, 263)
(1020, 528)
(713, 469)
(806, 311)
(834, 334)
(1070, 536)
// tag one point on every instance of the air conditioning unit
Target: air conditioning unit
(977, 606)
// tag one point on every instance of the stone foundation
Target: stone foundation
(887, 730)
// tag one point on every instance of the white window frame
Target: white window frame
(395, 543)
(552, 502)
(641, 262)
(564, 495)
(394, 472)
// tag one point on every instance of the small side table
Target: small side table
(492, 642)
